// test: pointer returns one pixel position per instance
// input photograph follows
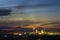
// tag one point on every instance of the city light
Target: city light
(20, 34)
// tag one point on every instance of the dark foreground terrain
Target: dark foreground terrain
(29, 37)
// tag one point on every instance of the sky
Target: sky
(44, 11)
(41, 13)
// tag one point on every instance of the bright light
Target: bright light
(50, 33)
(36, 31)
(39, 33)
(42, 31)
(20, 34)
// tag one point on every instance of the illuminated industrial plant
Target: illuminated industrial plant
(35, 31)
(42, 32)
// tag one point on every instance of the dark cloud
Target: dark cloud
(53, 29)
(5, 27)
(37, 5)
(55, 23)
(18, 23)
(4, 12)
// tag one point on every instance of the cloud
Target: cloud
(52, 25)
(4, 12)
(18, 23)
(37, 5)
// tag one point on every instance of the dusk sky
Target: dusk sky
(51, 12)
(45, 11)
